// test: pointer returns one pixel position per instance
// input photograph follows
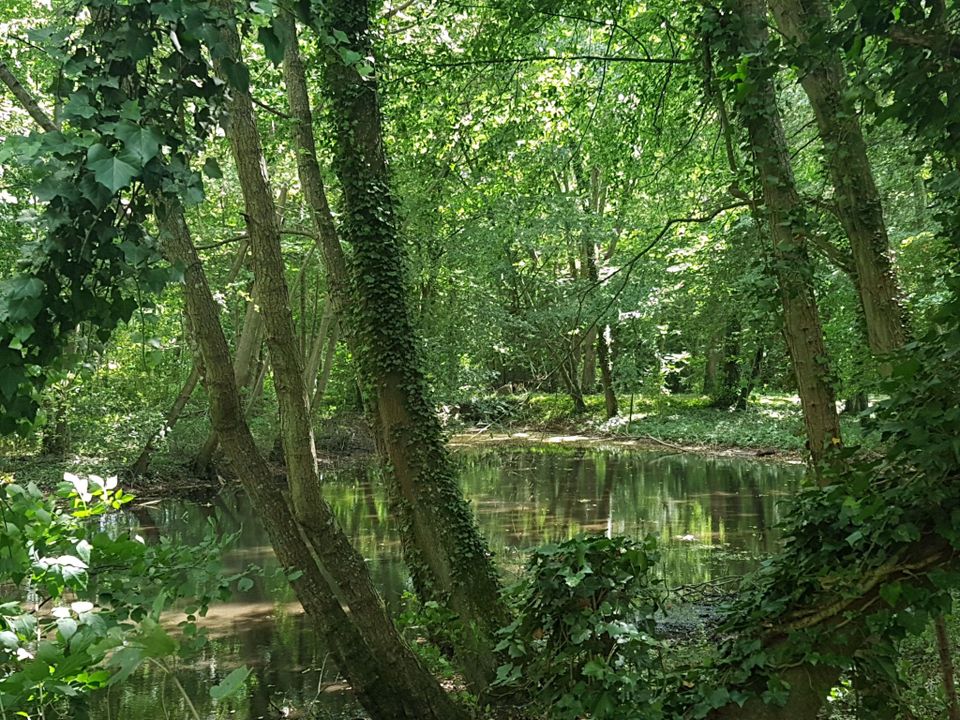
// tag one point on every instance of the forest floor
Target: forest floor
(771, 427)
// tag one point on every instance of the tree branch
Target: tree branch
(552, 58)
(25, 99)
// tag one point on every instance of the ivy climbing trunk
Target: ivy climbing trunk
(857, 201)
(783, 212)
(328, 575)
(447, 556)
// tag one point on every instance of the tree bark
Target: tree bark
(588, 379)
(142, 462)
(335, 587)
(443, 548)
(25, 99)
(946, 667)
(604, 356)
(784, 213)
(858, 204)
(248, 346)
(326, 367)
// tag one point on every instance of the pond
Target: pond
(714, 516)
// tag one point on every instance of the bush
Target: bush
(582, 642)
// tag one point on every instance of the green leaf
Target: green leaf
(891, 593)
(78, 105)
(231, 684)
(211, 168)
(273, 46)
(244, 584)
(126, 660)
(237, 74)
(67, 627)
(111, 171)
(155, 641)
(144, 143)
(9, 640)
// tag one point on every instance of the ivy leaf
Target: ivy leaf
(143, 142)
(231, 683)
(113, 172)
(350, 57)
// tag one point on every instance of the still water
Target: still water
(714, 516)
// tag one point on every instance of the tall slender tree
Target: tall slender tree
(806, 24)
(784, 214)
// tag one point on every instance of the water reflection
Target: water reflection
(713, 515)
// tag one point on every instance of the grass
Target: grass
(770, 421)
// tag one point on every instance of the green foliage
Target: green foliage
(582, 643)
(867, 543)
(70, 622)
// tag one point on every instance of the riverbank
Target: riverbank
(771, 428)
(771, 425)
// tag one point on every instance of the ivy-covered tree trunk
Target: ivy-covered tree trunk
(443, 548)
(858, 204)
(783, 212)
(329, 576)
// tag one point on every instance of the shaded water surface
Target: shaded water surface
(714, 517)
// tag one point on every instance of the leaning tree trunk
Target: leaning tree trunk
(784, 213)
(447, 556)
(244, 364)
(140, 465)
(858, 204)
(329, 576)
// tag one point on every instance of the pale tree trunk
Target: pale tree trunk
(327, 366)
(142, 462)
(845, 153)
(317, 345)
(599, 335)
(605, 358)
(335, 587)
(784, 214)
(443, 547)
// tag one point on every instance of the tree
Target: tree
(784, 215)
(856, 198)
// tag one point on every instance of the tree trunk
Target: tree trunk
(858, 204)
(606, 373)
(314, 359)
(335, 587)
(711, 368)
(327, 366)
(784, 213)
(588, 379)
(248, 346)
(443, 548)
(747, 387)
(726, 394)
(142, 462)
(946, 667)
